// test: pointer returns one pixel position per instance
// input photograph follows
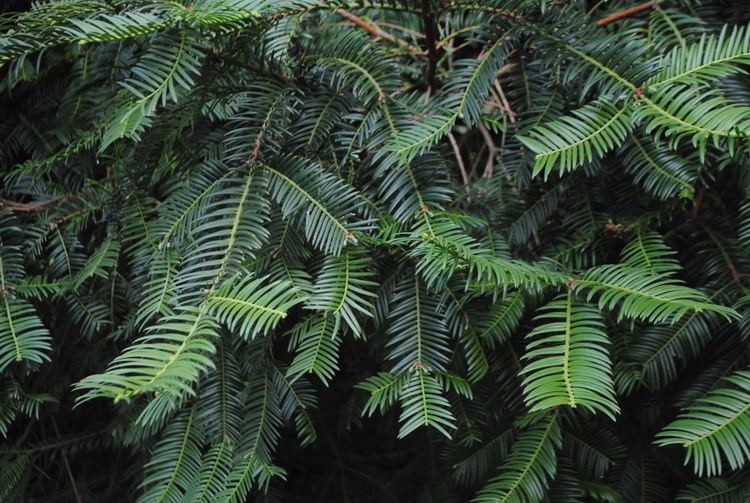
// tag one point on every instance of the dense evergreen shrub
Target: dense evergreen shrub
(417, 250)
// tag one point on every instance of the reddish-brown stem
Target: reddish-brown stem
(27, 207)
(70, 216)
(459, 161)
(402, 29)
(625, 13)
(377, 32)
(505, 102)
(489, 167)
(430, 32)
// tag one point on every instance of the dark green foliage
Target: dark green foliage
(406, 251)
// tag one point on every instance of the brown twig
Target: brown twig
(736, 277)
(506, 68)
(430, 32)
(505, 102)
(537, 241)
(67, 466)
(626, 12)
(698, 200)
(450, 46)
(70, 216)
(489, 167)
(460, 161)
(408, 31)
(27, 207)
(378, 32)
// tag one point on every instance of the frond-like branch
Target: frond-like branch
(317, 345)
(716, 429)
(329, 205)
(176, 461)
(648, 251)
(526, 472)
(567, 362)
(344, 289)
(569, 142)
(166, 361)
(252, 306)
(711, 58)
(419, 335)
(423, 404)
(644, 296)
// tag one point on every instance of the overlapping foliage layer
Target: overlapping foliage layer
(417, 250)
